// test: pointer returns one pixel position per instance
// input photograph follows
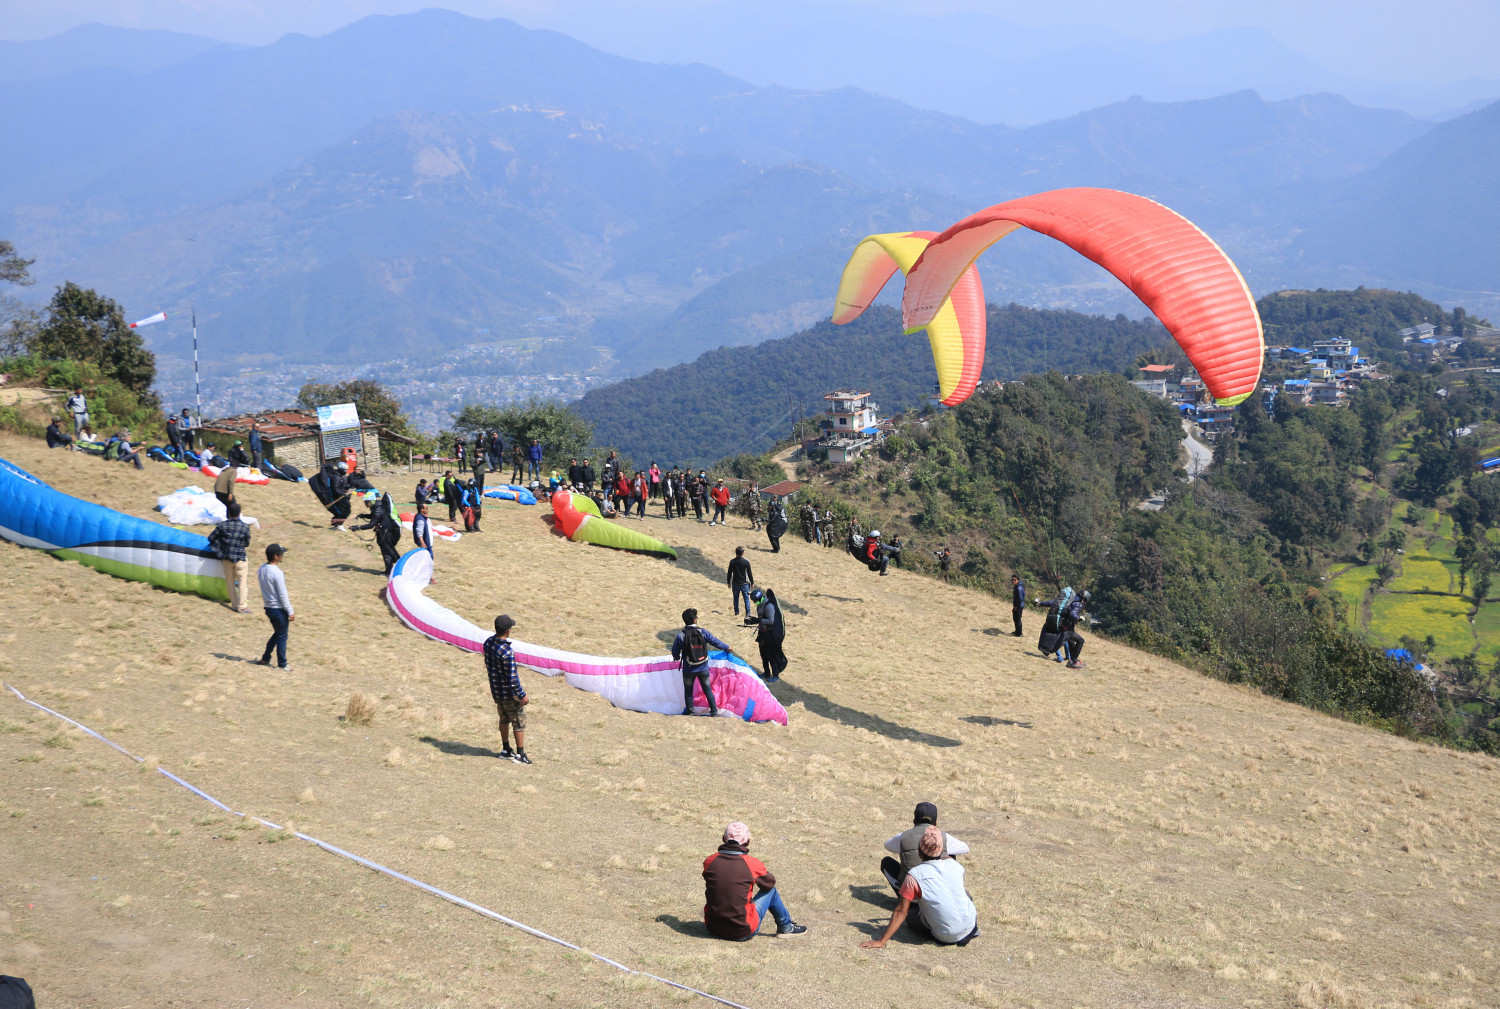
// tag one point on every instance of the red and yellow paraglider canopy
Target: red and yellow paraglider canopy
(1179, 272)
(956, 330)
(1168, 262)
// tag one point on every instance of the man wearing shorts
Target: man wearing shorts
(506, 690)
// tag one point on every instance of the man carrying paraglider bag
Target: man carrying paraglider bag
(331, 488)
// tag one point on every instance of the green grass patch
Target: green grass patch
(1487, 630)
(1443, 617)
(1445, 526)
(1441, 548)
(1350, 587)
(1421, 572)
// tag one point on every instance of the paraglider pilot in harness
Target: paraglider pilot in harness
(387, 530)
(770, 632)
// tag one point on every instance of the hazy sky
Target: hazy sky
(1436, 40)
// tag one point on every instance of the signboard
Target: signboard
(339, 417)
(334, 442)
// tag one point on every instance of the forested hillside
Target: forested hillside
(1319, 537)
(742, 399)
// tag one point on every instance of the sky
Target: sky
(1445, 40)
(1019, 62)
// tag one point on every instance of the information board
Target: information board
(339, 417)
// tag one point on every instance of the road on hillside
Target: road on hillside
(1200, 457)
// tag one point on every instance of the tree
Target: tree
(376, 405)
(82, 325)
(1484, 565)
(14, 269)
(562, 432)
(17, 321)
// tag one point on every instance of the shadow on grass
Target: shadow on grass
(458, 749)
(837, 599)
(876, 927)
(231, 658)
(692, 559)
(879, 896)
(351, 567)
(822, 706)
(696, 929)
(992, 720)
(993, 632)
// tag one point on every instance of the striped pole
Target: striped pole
(197, 389)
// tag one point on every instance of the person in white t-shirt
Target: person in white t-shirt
(945, 911)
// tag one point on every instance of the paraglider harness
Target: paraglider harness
(387, 530)
(468, 499)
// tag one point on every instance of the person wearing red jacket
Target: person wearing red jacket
(720, 497)
(738, 890)
(622, 493)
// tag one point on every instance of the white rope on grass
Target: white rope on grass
(377, 867)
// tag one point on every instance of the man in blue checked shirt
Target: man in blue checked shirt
(506, 690)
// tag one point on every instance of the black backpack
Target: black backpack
(694, 645)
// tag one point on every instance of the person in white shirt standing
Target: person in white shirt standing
(278, 604)
(78, 406)
(944, 910)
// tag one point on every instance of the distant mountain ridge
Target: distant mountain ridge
(412, 183)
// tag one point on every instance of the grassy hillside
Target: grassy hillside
(1141, 835)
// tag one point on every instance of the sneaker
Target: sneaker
(1077, 665)
(688, 710)
(1016, 634)
(260, 662)
(790, 928)
(520, 757)
(507, 754)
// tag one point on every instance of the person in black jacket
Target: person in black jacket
(1017, 600)
(739, 578)
(770, 632)
(56, 436)
(481, 467)
(586, 472)
(387, 530)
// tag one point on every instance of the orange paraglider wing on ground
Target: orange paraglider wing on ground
(1179, 272)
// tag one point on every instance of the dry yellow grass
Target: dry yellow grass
(361, 708)
(1141, 835)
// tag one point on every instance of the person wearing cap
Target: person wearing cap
(506, 689)
(905, 846)
(738, 890)
(935, 885)
(720, 497)
(770, 632)
(237, 454)
(278, 604)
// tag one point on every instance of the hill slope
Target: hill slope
(1141, 835)
(742, 399)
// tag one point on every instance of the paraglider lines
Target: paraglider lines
(451, 898)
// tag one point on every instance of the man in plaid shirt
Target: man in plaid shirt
(229, 540)
(506, 690)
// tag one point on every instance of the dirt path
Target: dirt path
(784, 460)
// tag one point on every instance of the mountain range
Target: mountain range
(417, 183)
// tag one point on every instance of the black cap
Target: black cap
(503, 623)
(274, 551)
(925, 812)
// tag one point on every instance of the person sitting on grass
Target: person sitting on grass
(945, 911)
(905, 846)
(738, 890)
(56, 436)
(506, 689)
(690, 647)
